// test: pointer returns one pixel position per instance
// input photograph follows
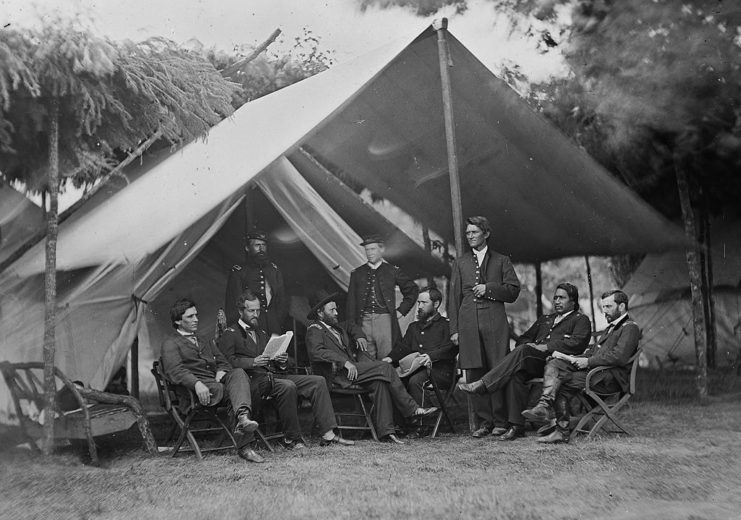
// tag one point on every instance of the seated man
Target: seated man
(567, 330)
(196, 364)
(565, 374)
(243, 345)
(329, 343)
(429, 336)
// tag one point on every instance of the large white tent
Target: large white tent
(175, 227)
(660, 301)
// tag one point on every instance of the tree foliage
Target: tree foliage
(111, 95)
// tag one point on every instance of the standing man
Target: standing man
(263, 278)
(330, 345)
(195, 363)
(371, 298)
(243, 345)
(482, 281)
(566, 374)
(567, 331)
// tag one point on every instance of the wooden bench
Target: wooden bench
(98, 413)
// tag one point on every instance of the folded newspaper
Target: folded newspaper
(277, 345)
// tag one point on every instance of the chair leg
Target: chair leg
(368, 418)
(263, 440)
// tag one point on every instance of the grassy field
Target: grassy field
(684, 463)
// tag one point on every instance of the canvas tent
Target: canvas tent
(176, 228)
(660, 301)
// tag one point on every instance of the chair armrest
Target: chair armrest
(593, 372)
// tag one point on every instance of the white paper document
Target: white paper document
(277, 345)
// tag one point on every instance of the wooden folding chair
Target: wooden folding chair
(191, 418)
(98, 413)
(358, 393)
(443, 396)
(602, 407)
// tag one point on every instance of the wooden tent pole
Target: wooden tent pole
(591, 293)
(538, 290)
(456, 204)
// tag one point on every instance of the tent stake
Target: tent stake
(538, 290)
(456, 204)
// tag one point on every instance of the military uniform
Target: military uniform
(266, 282)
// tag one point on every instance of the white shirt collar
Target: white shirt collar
(560, 317)
(186, 334)
(243, 324)
(376, 265)
(614, 323)
(480, 254)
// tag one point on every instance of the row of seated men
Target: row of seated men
(554, 347)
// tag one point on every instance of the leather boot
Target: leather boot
(551, 384)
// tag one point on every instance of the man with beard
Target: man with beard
(243, 345)
(430, 337)
(263, 278)
(565, 375)
(567, 331)
(196, 364)
(481, 282)
(371, 298)
(331, 345)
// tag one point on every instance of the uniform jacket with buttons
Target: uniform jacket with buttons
(240, 350)
(431, 337)
(614, 348)
(571, 335)
(253, 277)
(186, 364)
(470, 315)
(388, 277)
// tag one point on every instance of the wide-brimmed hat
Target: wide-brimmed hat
(409, 364)
(256, 234)
(318, 300)
(372, 239)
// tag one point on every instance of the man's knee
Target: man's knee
(283, 387)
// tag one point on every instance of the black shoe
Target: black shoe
(415, 434)
(392, 438)
(513, 433)
(498, 431)
(424, 412)
(482, 431)
(250, 455)
(555, 437)
(537, 414)
(245, 424)
(295, 445)
(477, 387)
(547, 428)
(336, 440)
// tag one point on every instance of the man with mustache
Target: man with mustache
(565, 374)
(263, 278)
(244, 343)
(331, 345)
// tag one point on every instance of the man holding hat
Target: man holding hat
(261, 277)
(334, 355)
(371, 298)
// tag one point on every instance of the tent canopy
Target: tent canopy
(176, 228)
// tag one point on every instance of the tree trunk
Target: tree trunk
(50, 278)
(591, 293)
(695, 276)
(538, 290)
(707, 279)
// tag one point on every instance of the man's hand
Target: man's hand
(454, 339)
(581, 363)
(425, 359)
(261, 361)
(541, 347)
(281, 359)
(479, 290)
(387, 359)
(362, 344)
(352, 371)
(203, 393)
(220, 375)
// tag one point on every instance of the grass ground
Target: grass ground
(684, 463)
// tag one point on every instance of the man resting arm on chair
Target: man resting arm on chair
(564, 373)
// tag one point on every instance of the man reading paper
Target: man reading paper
(243, 344)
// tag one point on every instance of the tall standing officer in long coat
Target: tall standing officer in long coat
(482, 281)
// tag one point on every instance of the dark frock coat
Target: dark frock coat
(467, 313)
